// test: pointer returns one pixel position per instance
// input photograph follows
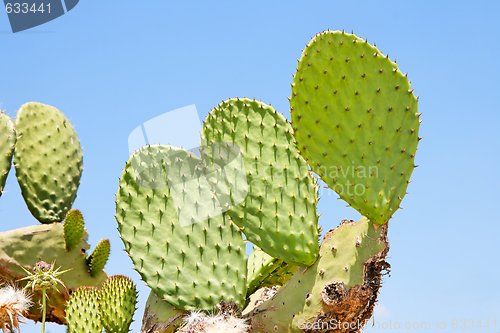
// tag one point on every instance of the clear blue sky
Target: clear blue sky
(111, 65)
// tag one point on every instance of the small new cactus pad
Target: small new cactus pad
(24, 247)
(99, 257)
(117, 304)
(266, 271)
(74, 227)
(48, 161)
(341, 287)
(192, 265)
(161, 316)
(7, 142)
(83, 312)
(260, 265)
(278, 213)
(356, 122)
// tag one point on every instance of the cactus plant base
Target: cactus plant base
(339, 289)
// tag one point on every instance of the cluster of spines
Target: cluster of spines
(48, 161)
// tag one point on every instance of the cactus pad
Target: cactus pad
(193, 265)
(356, 122)
(266, 271)
(74, 228)
(24, 247)
(117, 302)
(279, 212)
(48, 161)
(82, 311)
(99, 257)
(7, 142)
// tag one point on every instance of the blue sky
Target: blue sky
(112, 65)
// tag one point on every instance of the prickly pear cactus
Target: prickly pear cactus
(118, 297)
(341, 287)
(48, 161)
(356, 122)
(7, 142)
(278, 213)
(99, 257)
(23, 248)
(83, 312)
(193, 262)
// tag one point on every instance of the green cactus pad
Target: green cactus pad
(99, 257)
(278, 213)
(48, 161)
(280, 275)
(356, 122)
(117, 304)
(24, 247)
(82, 311)
(161, 316)
(342, 285)
(164, 211)
(266, 271)
(7, 142)
(74, 228)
